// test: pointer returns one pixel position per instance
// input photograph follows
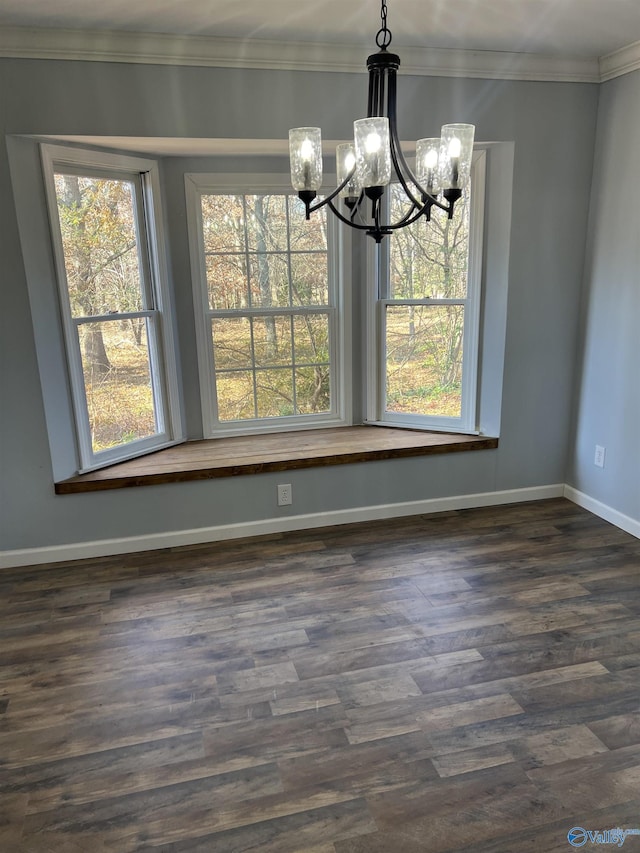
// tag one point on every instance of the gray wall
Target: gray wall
(553, 128)
(607, 410)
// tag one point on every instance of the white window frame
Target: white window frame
(199, 184)
(144, 174)
(378, 274)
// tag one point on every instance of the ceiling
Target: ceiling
(579, 28)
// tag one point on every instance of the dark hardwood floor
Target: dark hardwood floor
(468, 681)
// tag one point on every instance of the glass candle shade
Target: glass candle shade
(345, 162)
(373, 153)
(427, 155)
(456, 150)
(305, 155)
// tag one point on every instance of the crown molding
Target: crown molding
(499, 65)
(161, 49)
(620, 62)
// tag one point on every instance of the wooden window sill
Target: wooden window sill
(257, 454)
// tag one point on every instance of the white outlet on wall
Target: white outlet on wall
(599, 457)
(285, 495)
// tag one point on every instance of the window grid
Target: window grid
(378, 409)
(289, 334)
(107, 253)
(88, 418)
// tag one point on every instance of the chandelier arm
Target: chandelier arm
(311, 208)
(408, 220)
(414, 213)
(399, 161)
(356, 206)
(377, 228)
(405, 219)
(344, 219)
(376, 216)
(403, 182)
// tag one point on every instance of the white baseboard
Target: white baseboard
(624, 522)
(175, 538)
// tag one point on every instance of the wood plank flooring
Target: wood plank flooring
(468, 681)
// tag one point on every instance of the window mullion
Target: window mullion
(279, 310)
(105, 318)
(247, 255)
(291, 316)
(254, 371)
(157, 384)
(426, 302)
(142, 233)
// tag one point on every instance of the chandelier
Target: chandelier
(364, 167)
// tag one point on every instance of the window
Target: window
(283, 342)
(425, 321)
(266, 290)
(111, 300)
(270, 313)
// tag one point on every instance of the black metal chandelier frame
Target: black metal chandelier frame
(382, 102)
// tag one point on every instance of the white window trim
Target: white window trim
(164, 370)
(26, 159)
(468, 422)
(197, 184)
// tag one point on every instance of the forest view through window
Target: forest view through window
(269, 309)
(109, 305)
(282, 341)
(429, 317)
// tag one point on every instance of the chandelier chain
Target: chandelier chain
(383, 36)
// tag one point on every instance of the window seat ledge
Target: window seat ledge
(258, 454)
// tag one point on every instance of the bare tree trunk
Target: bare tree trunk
(264, 280)
(450, 375)
(412, 308)
(318, 385)
(447, 251)
(95, 353)
(97, 360)
(137, 325)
